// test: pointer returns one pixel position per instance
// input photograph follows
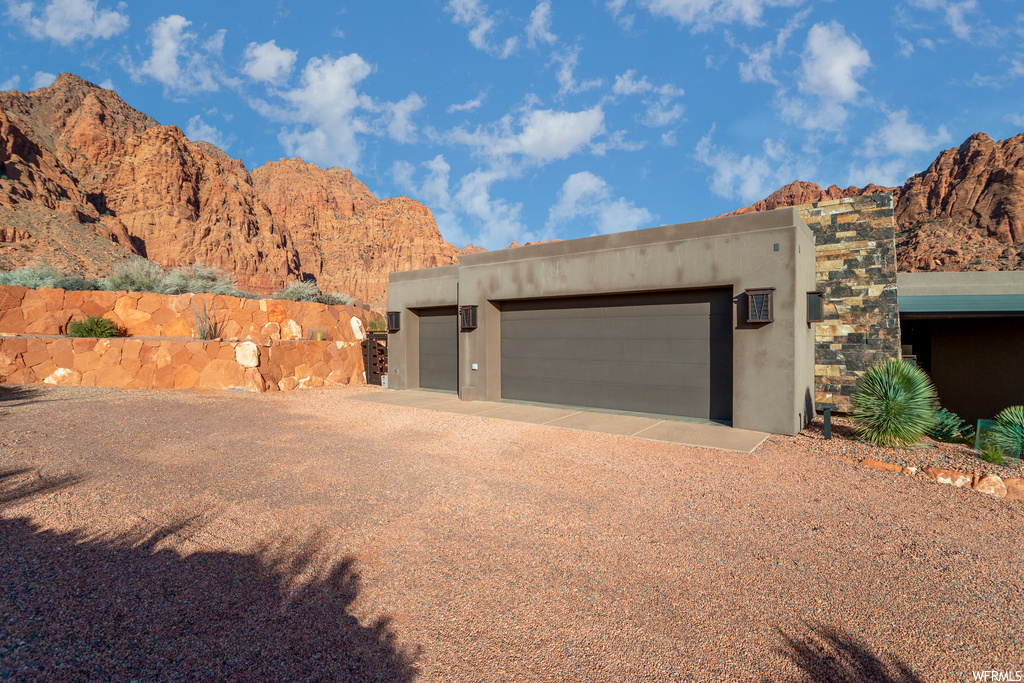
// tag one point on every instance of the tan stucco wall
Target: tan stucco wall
(773, 375)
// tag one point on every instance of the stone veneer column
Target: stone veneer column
(855, 241)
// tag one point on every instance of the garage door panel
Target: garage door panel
(666, 352)
(439, 349)
(611, 350)
(623, 373)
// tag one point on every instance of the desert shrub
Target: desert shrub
(376, 323)
(992, 454)
(1008, 432)
(204, 319)
(94, 326)
(75, 283)
(32, 277)
(894, 404)
(308, 290)
(134, 275)
(197, 279)
(948, 426)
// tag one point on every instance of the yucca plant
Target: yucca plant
(948, 426)
(1008, 433)
(94, 326)
(894, 404)
(204, 319)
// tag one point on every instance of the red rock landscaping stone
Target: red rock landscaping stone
(1014, 489)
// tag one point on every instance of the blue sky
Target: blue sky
(552, 119)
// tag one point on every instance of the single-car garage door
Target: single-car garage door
(439, 348)
(666, 352)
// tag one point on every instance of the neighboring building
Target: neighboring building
(967, 331)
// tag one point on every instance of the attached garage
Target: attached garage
(666, 352)
(439, 348)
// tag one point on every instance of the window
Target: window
(759, 305)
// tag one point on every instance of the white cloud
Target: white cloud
(268, 63)
(615, 8)
(107, 84)
(832, 62)
(585, 195)
(1015, 119)
(750, 178)
(955, 13)
(42, 79)
(399, 117)
(325, 107)
(758, 66)
(196, 129)
(887, 174)
(466, 106)
(901, 137)
(67, 21)
(539, 28)
(11, 83)
(173, 60)
(660, 110)
(906, 48)
(702, 15)
(474, 15)
(495, 221)
(567, 84)
(538, 135)
(668, 138)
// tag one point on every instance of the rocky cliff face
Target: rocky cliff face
(966, 212)
(86, 181)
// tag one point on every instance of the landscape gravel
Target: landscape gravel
(165, 536)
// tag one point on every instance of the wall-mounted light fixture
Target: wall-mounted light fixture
(759, 305)
(467, 318)
(394, 320)
(815, 307)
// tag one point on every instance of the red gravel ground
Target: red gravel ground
(166, 536)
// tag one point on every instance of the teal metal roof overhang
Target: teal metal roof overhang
(965, 305)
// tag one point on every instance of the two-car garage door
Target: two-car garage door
(667, 352)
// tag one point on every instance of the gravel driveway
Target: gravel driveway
(304, 536)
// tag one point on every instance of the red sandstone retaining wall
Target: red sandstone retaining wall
(47, 311)
(263, 345)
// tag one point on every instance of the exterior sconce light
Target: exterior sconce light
(394, 321)
(759, 305)
(815, 307)
(467, 318)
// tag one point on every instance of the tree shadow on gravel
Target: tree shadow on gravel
(80, 606)
(13, 395)
(25, 483)
(829, 655)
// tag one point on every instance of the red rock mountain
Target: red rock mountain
(966, 212)
(86, 180)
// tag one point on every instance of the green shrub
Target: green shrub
(894, 404)
(308, 290)
(1008, 433)
(197, 279)
(992, 454)
(376, 323)
(948, 426)
(134, 275)
(31, 277)
(94, 326)
(204, 319)
(74, 283)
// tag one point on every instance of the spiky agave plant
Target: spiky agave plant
(1008, 432)
(894, 404)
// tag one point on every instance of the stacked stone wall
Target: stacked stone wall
(264, 345)
(47, 311)
(153, 363)
(855, 241)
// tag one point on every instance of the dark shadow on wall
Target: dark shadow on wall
(121, 607)
(826, 654)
